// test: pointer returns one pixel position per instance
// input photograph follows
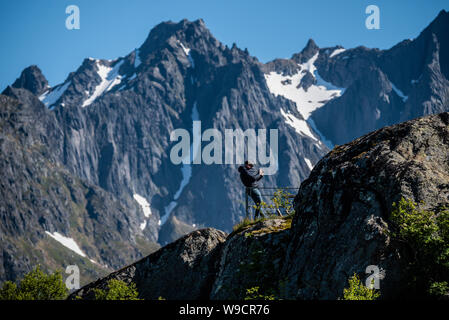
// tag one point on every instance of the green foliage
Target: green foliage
(247, 223)
(281, 203)
(36, 285)
(416, 226)
(254, 294)
(243, 224)
(260, 274)
(9, 291)
(117, 290)
(427, 235)
(357, 291)
(439, 289)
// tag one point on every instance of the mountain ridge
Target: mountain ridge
(109, 122)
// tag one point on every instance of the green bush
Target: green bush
(254, 294)
(426, 234)
(357, 291)
(438, 289)
(281, 204)
(36, 285)
(117, 290)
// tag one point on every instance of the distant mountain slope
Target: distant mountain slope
(345, 93)
(385, 87)
(49, 216)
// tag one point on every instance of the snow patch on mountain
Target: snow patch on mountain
(309, 163)
(378, 114)
(399, 92)
(299, 125)
(337, 52)
(186, 170)
(67, 242)
(188, 54)
(143, 204)
(306, 101)
(50, 97)
(110, 77)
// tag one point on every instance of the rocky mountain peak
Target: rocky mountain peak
(186, 31)
(32, 79)
(311, 45)
(442, 18)
(308, 52)
(438, 31)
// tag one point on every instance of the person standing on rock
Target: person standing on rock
(250, 177)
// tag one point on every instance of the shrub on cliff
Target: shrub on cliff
(426, 235)
(117, 290)
(357, 291)
(255, 294)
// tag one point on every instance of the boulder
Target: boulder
(182, 270)
(252, 258)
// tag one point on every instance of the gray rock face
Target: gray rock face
(343, 208)
(182, 270)
(38, 195)
(252, 258)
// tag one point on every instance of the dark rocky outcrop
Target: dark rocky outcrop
(33, 80)
(254, 257)
(182, 270)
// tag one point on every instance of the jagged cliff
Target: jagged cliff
(40, 197)
(341, 226)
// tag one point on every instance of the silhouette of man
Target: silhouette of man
(250, 177)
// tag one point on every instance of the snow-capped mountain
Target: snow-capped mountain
(107, 127)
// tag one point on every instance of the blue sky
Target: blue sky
(34, 32)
